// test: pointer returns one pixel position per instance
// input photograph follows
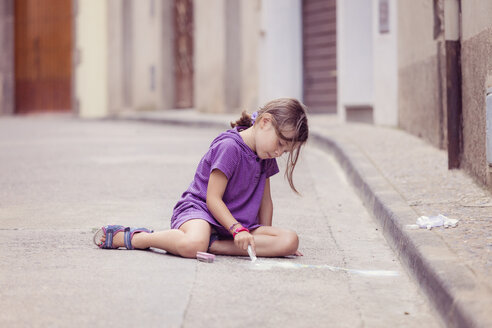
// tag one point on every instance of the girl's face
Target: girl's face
(268, 143)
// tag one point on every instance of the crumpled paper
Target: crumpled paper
(429, 222)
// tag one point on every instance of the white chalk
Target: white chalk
(252, 255)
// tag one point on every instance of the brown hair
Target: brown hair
(287, 113)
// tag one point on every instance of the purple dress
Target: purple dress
(246, 174)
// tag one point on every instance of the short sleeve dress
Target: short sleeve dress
(246, 174)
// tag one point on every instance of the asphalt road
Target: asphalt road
(62, 178)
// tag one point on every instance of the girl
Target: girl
(228, 205)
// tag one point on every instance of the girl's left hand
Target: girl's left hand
(298, 253)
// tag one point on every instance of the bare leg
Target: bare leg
(192, 236)
(270, 242)
(166, 240)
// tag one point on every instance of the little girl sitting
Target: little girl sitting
(228, 205)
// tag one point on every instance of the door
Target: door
(320, 55)
(43, 55)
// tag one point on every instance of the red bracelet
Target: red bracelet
(238, 230)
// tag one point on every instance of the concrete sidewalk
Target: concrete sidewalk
(399, 178)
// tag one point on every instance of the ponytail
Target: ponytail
(244, 120)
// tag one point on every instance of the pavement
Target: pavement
(63, 177)
(399, 178)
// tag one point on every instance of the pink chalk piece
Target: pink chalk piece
(205, 257)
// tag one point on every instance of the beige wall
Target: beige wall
(355, 72)
(209, 55)
(147, 72)
(233, 55)
(250, 34)
(477, 16)
(91, 73)
(218, 55)
(145, 51)
(476, 61)
(385, 61)
(114, 58)
(415, 31)
(420, 96)
(126, 61)
(246, 53)
(422, 77)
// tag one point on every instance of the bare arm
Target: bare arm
(266, 207)
(217, 184)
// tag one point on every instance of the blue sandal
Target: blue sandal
(111, 230)
(129, 232)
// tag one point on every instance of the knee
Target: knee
(189, 248)
(290, 242)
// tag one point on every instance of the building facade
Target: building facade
(444, 71)
(420, 65)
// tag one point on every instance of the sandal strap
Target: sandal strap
(110, 231)
(108, 243)
(128, 239)
(129, 232)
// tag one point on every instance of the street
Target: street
(62, 178)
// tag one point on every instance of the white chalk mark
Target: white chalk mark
(267, 265)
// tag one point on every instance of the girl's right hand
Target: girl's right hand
(243, 239)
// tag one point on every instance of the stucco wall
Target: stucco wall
(250, 34)
(126, 56)
(420, 96)
(115, 59)
(354, 55)
(233, 55)
(218, 55)
(209, 55)
(385, 61)
(476, 61)
(91, 86)
(246, 53)
(146, 22)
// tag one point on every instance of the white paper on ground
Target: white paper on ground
(429, 222)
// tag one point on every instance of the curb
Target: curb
(393, 213)
(453, 298)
